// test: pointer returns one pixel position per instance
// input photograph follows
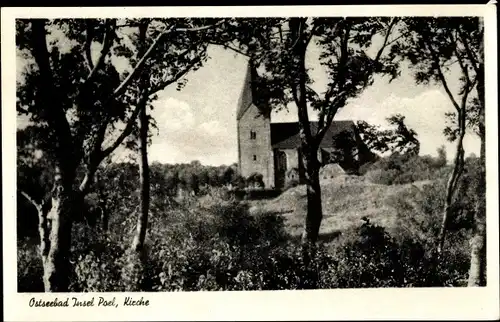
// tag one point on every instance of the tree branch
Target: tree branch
(441, 76)
(299, 90)
(472, 57)
(332, 111)
(398, 37)
(176, 77)
(333, 107)
(37, 205)
(126, 132)
(121, 88)
(312, 91)
(469, 84)
(50, 102)
(88, 43)
(226, 46)
(100, 155)
(340, 80)
(388, 33)
(311, 33)
(106, 46)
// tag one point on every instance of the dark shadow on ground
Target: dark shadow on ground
(323, 238)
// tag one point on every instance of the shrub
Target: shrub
(255, 180)
(209, 249)
(97, 259)
(369, 257)
(29, 268)
(404, 168)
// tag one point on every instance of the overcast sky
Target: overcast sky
(199, 122)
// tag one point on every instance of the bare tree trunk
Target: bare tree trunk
(314, 209)
(142, 220)
(55, 224)
(309, 147)
(56, 267)
(477, 271)
(451, 187)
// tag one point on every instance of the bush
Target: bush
(98, 258)
(255, 180)
(29, 268)
(404, 168)
(370, 257)
(228, 249)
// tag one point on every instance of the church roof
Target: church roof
(248, 93)
(286, 135)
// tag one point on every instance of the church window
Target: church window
(253, 135)
(254, 157)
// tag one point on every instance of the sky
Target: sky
(199, 122)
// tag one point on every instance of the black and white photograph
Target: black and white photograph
(162, 154)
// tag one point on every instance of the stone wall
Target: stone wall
(256, 154)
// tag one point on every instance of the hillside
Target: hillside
(346, 200)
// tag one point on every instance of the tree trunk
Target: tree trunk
(314, 208)
(309, 143)
(477, 271)
(142, 219)
(55, 224)
(458, 165)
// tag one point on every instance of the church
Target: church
(273, 149)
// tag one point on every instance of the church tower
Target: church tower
(253, 120)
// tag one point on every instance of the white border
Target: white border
(438, 303)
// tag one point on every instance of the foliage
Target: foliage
(405, 168)
(468, 195)
(399, 138)
(255, 180)
(192, 177)
(29, 267)
(92, 90)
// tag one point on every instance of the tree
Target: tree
(279, 46)
(79, 99)
(181, 55)
(400, 138)
(376, 139)
(441, 157)
(433, 47)
(403, 138)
